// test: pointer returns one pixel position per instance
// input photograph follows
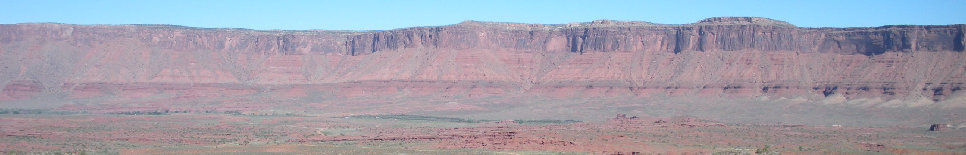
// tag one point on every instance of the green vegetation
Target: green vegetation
(234, 112)
(729, 152)
(545, 121)
(156, 112)
(340, 132)
(79, 152)
(166, 112)
(763, 150)
(33, 111)
(420, 118)
(457, 120)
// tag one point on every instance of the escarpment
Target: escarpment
(745, 56)
(705, 36)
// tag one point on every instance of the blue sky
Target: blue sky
(383, 15)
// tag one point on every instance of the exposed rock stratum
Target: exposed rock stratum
(724, 56)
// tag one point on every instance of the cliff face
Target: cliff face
(714, 34)
(730, 55)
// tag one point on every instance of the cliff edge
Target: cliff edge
(746, 56)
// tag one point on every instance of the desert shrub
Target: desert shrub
(545, 121)
(763, 150)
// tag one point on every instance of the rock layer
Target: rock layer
(744, 56)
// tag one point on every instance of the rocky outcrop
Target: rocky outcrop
(744, 56)
(938, 127)
(713, 34)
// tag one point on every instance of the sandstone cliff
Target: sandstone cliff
(725, 55)
(713, 34)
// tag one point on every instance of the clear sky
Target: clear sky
(391, 14)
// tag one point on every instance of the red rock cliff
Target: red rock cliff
(713, 34)
(731, 55)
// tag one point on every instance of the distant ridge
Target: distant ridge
(729, 55)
